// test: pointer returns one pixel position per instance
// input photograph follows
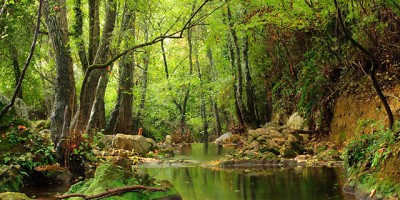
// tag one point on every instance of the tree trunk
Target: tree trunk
(251, 98)
(94, 29)
(234, 86)
(97, 119)
(89, 89)
(138, 121)
(78, 31)
(218, 127)
(238, 88)
(203, 110)
(64, 103)
(17, 70)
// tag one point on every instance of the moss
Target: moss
(109, 176)
(13, 196)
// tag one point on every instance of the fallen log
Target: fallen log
(111, 192)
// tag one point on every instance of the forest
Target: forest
(82, 78)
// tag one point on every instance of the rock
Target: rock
(21, 109)
(329, 154)
(287, 151)
(302, 158)
(250, 153)
(167, 152)
(13, 196)
(106, 140)
(151, 142)
(273, 125)
(296, 122)
(269, 156)
(221, 139)
(254, 133)
(279, 117)
(249, 139)
(168, 139)
(137, 143)
(55, 174)
(17, 115)
(109, 176)
(306, 138)
(10, 180)
(253, 145)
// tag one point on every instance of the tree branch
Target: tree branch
(28, 60)
(112, 192)
(155, 40)
(374, 62)
(3, 8)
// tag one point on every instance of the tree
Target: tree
(65, 101)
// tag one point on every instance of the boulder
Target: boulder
(107, 140)
(21, 110)
(10, 179)
(17, 115)
(136, 143)
(287, 151)
(109, 176)
(264, 133)
(13, 196)
(221, 139)
(295, 121)
(151, 142)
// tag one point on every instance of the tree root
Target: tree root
(111, 192)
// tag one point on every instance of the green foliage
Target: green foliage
(366, 154)
(371, 149)
(28, 149)
(311, 84)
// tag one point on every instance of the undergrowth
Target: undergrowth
(371, 158)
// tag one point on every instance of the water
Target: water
(200, 183)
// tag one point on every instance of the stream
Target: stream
(195, 182)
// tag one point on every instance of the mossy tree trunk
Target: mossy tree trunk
(64, 103)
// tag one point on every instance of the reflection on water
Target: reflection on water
(259, 183)
(199, 152)
(269, 183)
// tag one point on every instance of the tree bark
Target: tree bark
(97, 119)
(139, 121)
(89, 88)
(94, 29)
(218, 127)
(239, 115)
(236, 63)
(78, 31)
(251, 98)
(56, 21)
(17, 70)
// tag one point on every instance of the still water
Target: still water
(201, 183)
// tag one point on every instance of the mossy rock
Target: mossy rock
(13, 196)
(10, 178)
(287, 152)
(109, 176)
(329, 154)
